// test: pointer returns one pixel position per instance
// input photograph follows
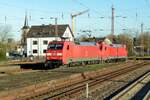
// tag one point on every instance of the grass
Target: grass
(14, 81)
(3, 62)
(144, 57)
(140, 57)
(80, 69)
(91, 67)
(2, 55)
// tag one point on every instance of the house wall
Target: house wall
(68, 34)
(40, 46)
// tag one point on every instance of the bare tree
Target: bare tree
(4, 32)
(83, 38)
(4, 35)
(144, 41)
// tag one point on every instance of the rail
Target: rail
(134, 88)
(76, 88)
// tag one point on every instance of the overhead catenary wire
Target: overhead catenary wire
(89, 15)
(87, 7)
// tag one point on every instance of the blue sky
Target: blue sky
(14, 10)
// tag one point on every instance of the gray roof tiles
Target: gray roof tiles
(47, 30)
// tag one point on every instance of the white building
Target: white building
(38, 37)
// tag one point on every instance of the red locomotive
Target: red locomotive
(67, 53)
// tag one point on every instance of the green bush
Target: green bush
(2, 51)
(2, 55)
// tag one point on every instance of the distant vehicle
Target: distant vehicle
(68, 53)
(14, 55)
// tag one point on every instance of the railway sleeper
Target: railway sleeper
(118, 73)
(125, 70)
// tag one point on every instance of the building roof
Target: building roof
(47, 30)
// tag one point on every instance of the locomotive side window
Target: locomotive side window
(101, 47)
(105, 48)
(67, 47)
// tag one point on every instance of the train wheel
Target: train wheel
(86, 62)
(45, 65)
(97, 62)
(57, 65)
(83, 63)
(69, 65)
(49, 66)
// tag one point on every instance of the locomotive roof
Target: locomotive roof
(117, 45)
(87, 43)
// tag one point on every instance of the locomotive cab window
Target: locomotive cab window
(55, 47)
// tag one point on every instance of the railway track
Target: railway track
(132, 91)
(9, 70)
(73, 90)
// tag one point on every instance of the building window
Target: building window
(34, 42)
(45, 42)
(34, 51)
(44, 51)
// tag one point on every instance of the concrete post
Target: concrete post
(87, 90)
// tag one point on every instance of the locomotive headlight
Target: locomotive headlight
(49, 54)
(59, 54)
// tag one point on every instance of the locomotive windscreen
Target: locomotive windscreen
(55, 47)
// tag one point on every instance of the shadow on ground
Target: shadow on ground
(39, 66)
